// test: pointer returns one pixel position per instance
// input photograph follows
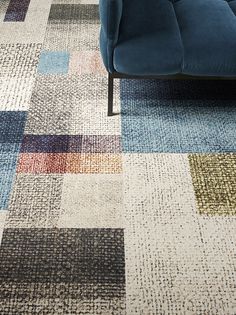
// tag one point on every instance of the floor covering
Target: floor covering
(129, 214)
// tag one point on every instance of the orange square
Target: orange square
(97, 163)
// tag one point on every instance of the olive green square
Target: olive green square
(214, 182)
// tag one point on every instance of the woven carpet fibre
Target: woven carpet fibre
(131, 214)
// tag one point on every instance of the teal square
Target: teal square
(54, 62)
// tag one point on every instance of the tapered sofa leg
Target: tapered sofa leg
(110, 94)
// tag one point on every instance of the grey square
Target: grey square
(35, 201)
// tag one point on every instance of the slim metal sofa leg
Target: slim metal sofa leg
(110, 94)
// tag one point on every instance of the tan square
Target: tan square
(96, 163)
(86, 62)
(214, 181)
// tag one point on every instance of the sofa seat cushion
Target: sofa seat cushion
(161, 37)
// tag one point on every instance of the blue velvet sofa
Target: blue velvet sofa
(168, 39)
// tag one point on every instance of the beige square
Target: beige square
(91, 201)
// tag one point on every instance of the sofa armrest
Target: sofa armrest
(110, 16)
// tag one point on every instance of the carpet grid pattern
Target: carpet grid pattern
(132, 214)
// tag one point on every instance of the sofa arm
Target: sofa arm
(110, 16)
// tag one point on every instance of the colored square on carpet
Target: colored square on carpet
(94, 163)
(66, 22)
(12, 125)
(48, 163)
(64, 37)
(153, 121)
(11, 134)
(70, 253)
(51, 92)
(8, 161)
(73, 12)
(89, 260)
(46, 143)
(35, 201)
(53, 62)
(6, 183)
(71, 143)
(91, 201)
(16, 11)
(42, 163)
(100, 144)
(82, 62)
(214, 181)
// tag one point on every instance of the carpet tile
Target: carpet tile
(18, 65)
(16, 10)
(8, 162)
(12, 125)
(95, 163)
(214, 181)
(98, 144)
(86, 62)
(47, 143)
(102, 195)
(53, 62)
(61, 34)
(52, 92)
(154, 123)
(89, 260)
(15, 93)
(71, 144)
(48, 247)
(75, 13)
(35, 201)
(47, 163)
(42, 163)
(19, 60)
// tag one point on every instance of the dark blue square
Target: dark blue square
(12, 124)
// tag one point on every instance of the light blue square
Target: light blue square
(178, 117)
(8, 160)
(54, 62)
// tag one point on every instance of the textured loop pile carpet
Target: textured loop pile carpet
(130, 214)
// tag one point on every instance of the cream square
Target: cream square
(91, 201)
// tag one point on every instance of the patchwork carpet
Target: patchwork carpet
(130, 214)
